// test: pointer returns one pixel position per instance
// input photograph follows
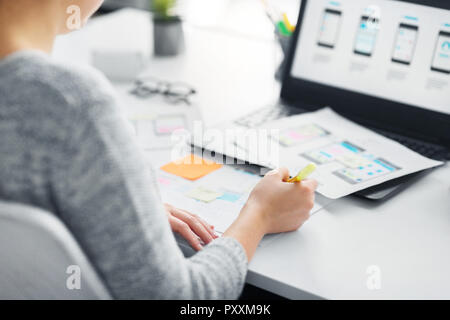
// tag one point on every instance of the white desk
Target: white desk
(407, 239)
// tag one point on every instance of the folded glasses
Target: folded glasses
(176, 92)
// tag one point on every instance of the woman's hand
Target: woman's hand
(282, 206)
(273, 206)
(190, 227)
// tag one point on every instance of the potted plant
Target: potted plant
(167, 28)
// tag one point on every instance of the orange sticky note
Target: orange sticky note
(191, 167)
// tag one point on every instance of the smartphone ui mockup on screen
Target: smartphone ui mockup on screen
(366, 36)
(329, 28)
(405, 43)
(441, 57)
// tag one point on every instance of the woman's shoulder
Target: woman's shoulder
(79, 85)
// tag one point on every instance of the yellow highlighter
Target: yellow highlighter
(304, 173)
(288, 24)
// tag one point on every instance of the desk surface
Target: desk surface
(404, 243)
(350, 249)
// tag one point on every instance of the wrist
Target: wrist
(249, 228)
(256, 218)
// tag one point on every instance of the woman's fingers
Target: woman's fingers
(208, 227)
(195, 224)
(310, 183)
(280, 173)
(185, 231)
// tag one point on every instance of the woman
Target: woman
(65, 148)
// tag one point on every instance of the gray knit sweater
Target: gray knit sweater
(64, 147)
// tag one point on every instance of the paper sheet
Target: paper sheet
(348, 156)
(229, 187)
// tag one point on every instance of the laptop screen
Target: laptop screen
(387, 49)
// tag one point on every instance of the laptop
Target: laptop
(384, 64)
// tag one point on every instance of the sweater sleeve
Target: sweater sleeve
(106, 194)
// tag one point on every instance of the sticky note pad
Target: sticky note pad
(191, 167)
(230, 197)
(203, 194)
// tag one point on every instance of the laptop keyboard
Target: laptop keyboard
(263, 115)
(270, 113)
(428, 150)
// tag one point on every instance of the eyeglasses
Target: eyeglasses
(174, 92)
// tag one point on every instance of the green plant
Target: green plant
(163, 8)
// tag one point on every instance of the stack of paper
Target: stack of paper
(348, 156)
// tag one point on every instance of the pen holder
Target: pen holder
(284, 42)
